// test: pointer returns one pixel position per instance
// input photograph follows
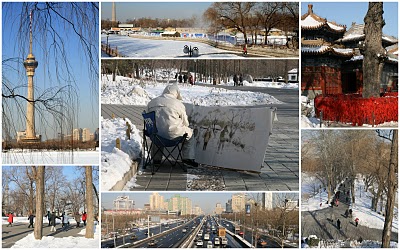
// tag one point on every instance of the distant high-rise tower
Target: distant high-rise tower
(268, 201)
(30, 65)
(114, 13)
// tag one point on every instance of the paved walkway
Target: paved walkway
(323, 223)
(10, 235)
(280, 170)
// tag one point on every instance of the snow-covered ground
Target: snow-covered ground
(65, 242)
(312, 198)
(50, 157)
(263, 84)
(137, 47)
(115, 162)
(369, 218)
(134, 92)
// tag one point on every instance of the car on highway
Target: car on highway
(240, 233)
(109, 245)
(216, 241)
(199, 243)
(199, 234)
(133, 237)
(184, 230)
(206, 236)
(209, 244)
(261, 243)
(152, 243)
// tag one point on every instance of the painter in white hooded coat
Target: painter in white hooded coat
(171, 118)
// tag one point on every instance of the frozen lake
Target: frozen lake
(136, 47)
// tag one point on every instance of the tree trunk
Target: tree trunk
(391, 193)
(89, 203)
(373, 51)
(38, 230)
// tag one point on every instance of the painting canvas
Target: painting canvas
(230, 137)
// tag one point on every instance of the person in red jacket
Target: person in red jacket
(84, 218)
(10, 219)
(356, 221)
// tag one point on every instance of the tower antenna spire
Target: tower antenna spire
(30, 31)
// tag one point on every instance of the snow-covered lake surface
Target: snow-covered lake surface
(139, 47)
(50, 157)
(65, 242)
(116, 162)
(134, 92)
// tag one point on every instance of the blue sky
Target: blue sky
(205, 200)
(345, 13)
(86, 113)
(173, 10)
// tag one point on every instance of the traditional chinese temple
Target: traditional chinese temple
(331, 60)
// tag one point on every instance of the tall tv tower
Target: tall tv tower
(114, 13)
(30, 65)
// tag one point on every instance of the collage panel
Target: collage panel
(50, 83)
(201, 29)
(349, 64)
(200, 220)
(240, 118)
(349, 194)
(65, 198)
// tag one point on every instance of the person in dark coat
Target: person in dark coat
(240, 80)
(346, 213)
(84, 218)
(185, 78)
(235, 80)
(338, 224)
(49, 217)
(180, 78)
(351, 212)
(31, 217)
(53, 218)
(191, 79)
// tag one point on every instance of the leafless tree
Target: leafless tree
(374, 53)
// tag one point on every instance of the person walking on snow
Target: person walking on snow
(49, 217)
(65, 222)
(356, 221)
(77, 219)
(84, 218)
(338, 224)
(10, 219)
(30, 218)
(53, 218)
(172, 122)
(235, 80)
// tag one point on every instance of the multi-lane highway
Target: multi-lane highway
(140, 235)
(175, 234)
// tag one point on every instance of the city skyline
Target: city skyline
(198, 199)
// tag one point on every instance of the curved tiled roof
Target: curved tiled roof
(356, 33)
(320, 50)
(311, 21)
